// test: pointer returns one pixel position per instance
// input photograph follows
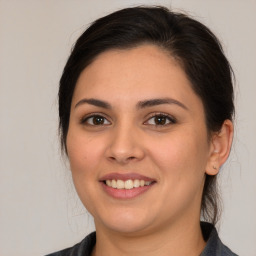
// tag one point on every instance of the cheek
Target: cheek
(182, 154)
(180, 162)
(84, 153)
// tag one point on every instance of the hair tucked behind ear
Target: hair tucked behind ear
(193, 45)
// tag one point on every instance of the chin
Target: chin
(127, 223)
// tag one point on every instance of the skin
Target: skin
(165, 219)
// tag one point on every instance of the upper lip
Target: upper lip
(125, 176)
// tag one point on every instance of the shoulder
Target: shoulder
(84, 248)
(214, 246)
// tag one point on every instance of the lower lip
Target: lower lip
(125, 193)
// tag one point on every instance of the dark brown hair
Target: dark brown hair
(193, 45)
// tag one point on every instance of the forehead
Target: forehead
(144, 71)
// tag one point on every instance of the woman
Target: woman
(145, 108)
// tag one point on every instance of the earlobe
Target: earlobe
(213, 164)
(220, 148)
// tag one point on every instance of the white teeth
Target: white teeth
(119, 184)
(113, 184)
(109, 183)
(128, 184)
(136, 183)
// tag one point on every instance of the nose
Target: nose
(125, 146)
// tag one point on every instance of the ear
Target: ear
(220, 148)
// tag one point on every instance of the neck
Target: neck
(177, 239)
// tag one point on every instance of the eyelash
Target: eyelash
(171, 119)
(85, 119)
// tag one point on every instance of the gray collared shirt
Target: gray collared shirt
(214, 246)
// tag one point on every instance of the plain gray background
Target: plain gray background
(39, 210)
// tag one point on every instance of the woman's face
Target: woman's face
(137, 125)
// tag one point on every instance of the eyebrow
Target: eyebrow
(160, 101)
(139, 105)
(94, 102)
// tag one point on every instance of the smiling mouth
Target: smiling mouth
(128, 184)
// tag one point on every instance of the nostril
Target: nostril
(122, 159)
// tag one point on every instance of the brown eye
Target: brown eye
(95, 120)
(161, 120)
(98, 120)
